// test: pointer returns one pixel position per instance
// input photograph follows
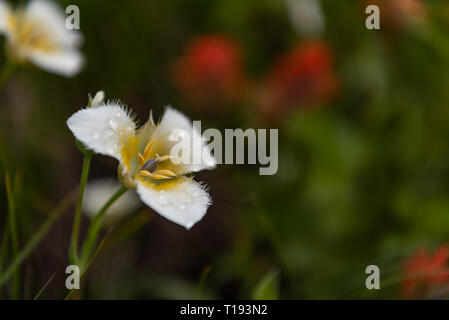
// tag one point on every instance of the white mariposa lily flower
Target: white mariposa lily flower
(38, 33)
(144, 156)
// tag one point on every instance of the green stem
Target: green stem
(4, 247)
(38, 295)
(95, 227)
(202, 282)
(36, 239)
(97, 251)
(14, 235)
(6, 72)
(73, 252)
(4, 250)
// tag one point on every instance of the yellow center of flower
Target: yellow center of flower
(149, 163)
(28, 34)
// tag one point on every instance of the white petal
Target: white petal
(185, 202)
(51, 17)
(66, 63)
(171, 122)
(99, 191)
(97, 99)
(5, 10)
(103, 129)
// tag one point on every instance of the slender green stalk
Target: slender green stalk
(4, 250)
(202, 282)
(37, 238)
(97, 251)
(4, 246)
(14, 235)
(73, 253)
(37, 296)
(95, 228)
(6, 71)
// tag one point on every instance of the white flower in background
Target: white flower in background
(144, 156)
(306, 17)
(99, 191)
(38, 33)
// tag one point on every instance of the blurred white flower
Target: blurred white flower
(144, 157)
(306, 17)
(99, 191)
(38, 33)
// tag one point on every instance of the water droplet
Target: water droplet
(112, 147)
(113, 123)
(182, 206)
(163, 199)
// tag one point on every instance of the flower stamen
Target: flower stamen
(148, 148)
(163, 158)
(168, 173)
(157, 174)
(141, 160)
(149, 168)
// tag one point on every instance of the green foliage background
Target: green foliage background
(362, 180)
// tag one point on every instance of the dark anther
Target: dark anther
(150, 165)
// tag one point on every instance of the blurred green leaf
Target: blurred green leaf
(268, 287)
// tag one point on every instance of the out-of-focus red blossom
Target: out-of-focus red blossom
(303, 76)
(210, 71)
(399, 14)
(424, 272)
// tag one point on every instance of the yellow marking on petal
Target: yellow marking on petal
(166, 185)
(130, 149)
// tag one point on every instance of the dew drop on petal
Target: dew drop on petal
(112, 147)
(188, 200)
(113, 123)
(163, 199)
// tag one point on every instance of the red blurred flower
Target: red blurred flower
(424, 272)
(301, 77)
(210, 71)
